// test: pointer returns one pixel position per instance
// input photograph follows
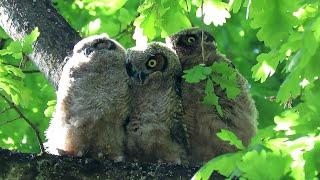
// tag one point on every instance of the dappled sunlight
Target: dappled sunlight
(214, 12)
(24, 139)
(267, 69)
(304, 83)
(141, 39)
(299, 13)
(94, 26)
(287, 120)
(9, 140)
(262, 71)
(241, 33)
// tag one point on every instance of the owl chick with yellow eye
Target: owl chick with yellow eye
(155, 132)
(92, 101)
(193, 47)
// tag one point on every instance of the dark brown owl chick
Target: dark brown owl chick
(154, 131)
(92, 101)
(203, 122)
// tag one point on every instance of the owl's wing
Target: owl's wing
(179, 134)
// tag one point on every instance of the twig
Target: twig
(123, 31)
(248, 9)
(128, 27)
(36, 130)
(202, 33)
(31, 71)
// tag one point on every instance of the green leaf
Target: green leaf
(28, 40)
(229, 136)
(197, 74)
(172, 25)
(50, 109)
(277, 163)
(211, 99)
(267, 64)
(227, 78)
(224, 165)
(236, 5)
(286, 121)
(268, 15)
(14, 47)
(16, 71)
(312, 165)
(148, 25)
(3, 34)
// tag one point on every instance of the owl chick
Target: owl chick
(203, 122)
(92, 101)
(154, 131)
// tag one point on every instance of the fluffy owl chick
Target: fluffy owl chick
(203, 122)
(92, 101)
(154, 131)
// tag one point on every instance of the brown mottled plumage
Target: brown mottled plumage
(154, 131)
(203, 122)
(92, 101)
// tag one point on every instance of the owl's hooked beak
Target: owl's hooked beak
(139, 76)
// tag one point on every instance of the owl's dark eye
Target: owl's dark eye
(191, 39)
(156, 62)
(88, 51)
(151, 63)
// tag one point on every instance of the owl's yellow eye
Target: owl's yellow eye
(152, 63)
(191, 39)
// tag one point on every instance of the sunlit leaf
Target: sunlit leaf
(197, 74)
(231, 138)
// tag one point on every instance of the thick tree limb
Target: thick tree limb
(28, 166)
(19, 17)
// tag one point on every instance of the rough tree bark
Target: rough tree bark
(18, 18)
(28, 166)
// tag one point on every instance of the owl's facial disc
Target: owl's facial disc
(154, 66)
(139, 76)
(190, 44)
(156, 62)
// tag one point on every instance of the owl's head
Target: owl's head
(153, 62)
(188, 46)
(100, 48)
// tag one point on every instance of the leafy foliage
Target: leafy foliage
(27, 91)
(277, 39)
(219, 73)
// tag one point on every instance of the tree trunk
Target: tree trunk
(19, 17)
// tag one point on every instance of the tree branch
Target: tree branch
(21, 115)
(28, 166)
(19, 17)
